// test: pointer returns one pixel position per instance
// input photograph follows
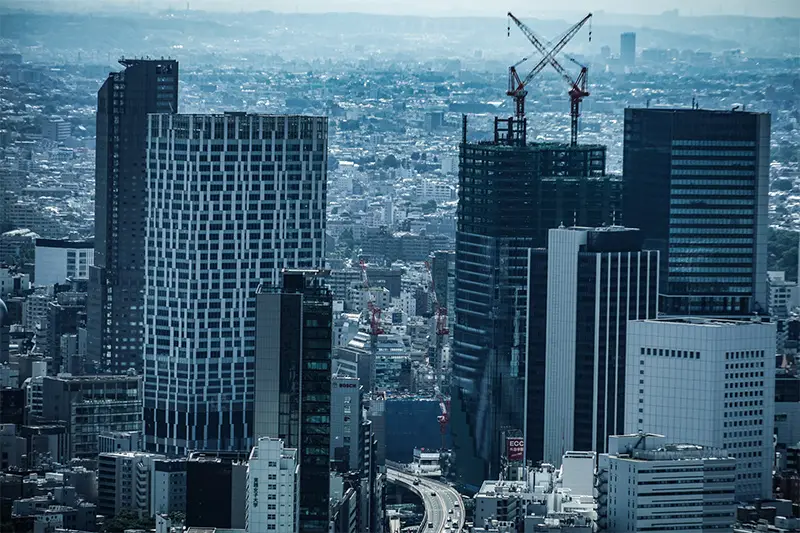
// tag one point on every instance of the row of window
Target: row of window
(685, 354)
(679, 142)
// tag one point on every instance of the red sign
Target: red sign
(515, 448)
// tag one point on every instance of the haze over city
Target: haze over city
(353, 266)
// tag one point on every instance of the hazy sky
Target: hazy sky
(763, 8)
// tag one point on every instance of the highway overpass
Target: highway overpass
(444, 509)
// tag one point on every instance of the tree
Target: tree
(429, 207)
(127, 519)
(782, 251)
(390, 161)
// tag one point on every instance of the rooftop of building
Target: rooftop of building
(538, 147)
(501, 487)
(94, 378)
(707, 322)
(63, 243)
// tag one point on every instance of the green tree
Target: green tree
(127, 520)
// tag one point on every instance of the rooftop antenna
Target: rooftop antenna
(694, 102)
(574, 218)
(614, 217)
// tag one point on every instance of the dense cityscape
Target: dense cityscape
(353, 273)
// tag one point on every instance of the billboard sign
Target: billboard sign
(515, 448)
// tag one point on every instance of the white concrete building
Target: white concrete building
(783, 295)
(231, 201)
(273, 482)
(646, 484)
(708, 382)
(57, 260)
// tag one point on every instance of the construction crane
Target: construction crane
(373, 311)
(442, 331)
(577, 92)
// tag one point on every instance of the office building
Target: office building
(506, 206)
(646, 483)
(57, 261)
(216, 489)
(596, 279)
(293, 381)
(345, 422)
(90, 406)
(627, 49)
(56, 130)
(116, 288)
(249, 193)
(168, 486)
(124, 482)
(273, 482)
(708, 382)
(697, 185)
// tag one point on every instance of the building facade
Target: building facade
(231, 201)
(597, 279)
(697, 185)
(59, 260)
(293, 382)
(647, 484)
(707, 382)
(627, 49)
(216, 490)
(91, 406)
(273, 483)
(509, 197)
(116, 280)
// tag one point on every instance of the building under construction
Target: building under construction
(510, 195)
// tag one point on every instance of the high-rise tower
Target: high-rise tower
(627, 48)
(509, 197)
(116, 281)
(294, 340)
(697, 185)
(231, 201)
(595, 281)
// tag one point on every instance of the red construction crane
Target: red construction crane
(439, 311)
(373, 310)
(577, 92)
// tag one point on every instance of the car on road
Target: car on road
(450, 511)
(433, 493)
(430, 525)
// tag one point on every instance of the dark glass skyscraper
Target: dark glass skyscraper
(509, 197)
(294, 341)
(116, 281)
(697, 185)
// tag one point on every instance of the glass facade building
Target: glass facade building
(116, 280)
(697, 185)
(294, 340)
(509, 196)
(232, 200)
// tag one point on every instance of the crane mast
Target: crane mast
(517, 86)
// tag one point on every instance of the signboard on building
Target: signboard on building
(515, 448)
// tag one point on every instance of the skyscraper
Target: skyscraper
(294, 340)
(709, 382)
(697, 185)
(116, 280)
(596, 279)
(627, 48)
(231, 200)
(509, 197)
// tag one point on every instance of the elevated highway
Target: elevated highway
(444, 509)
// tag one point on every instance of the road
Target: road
(438, 498)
